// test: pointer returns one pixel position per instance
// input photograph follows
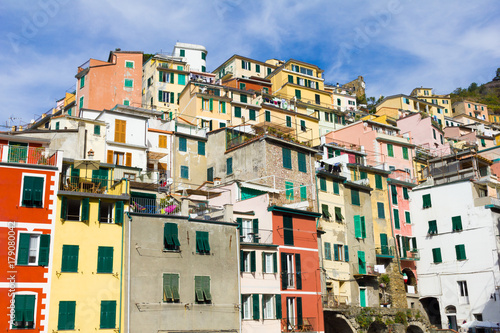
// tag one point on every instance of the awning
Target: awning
(257, 187)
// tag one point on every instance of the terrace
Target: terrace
(28, 155)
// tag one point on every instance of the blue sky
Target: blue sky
(395, 44)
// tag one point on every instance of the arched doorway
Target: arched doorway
(335, 323)
(377, 327)
(451, 314)
(411, 281)
(431, 307)
(414, 329)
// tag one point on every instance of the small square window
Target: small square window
(129, 64)
(129, 83)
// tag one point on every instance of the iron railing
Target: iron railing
(248, 235)
(299, 324)
(156, 206)
(28, 155)
(385, 251)
(89, 185)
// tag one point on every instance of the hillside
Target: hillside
(487, 93)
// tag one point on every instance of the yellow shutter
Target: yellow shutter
(128, 159)
(110, 157)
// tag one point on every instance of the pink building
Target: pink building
(425, 133)
(381, 142)
(472, 109)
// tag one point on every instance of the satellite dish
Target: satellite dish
(170, 181)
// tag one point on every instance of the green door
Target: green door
(362, 297)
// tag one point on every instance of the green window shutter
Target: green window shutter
(182, 144)
(203, 69)
(119, 207)
(407, 217)
(432, 228)
(251, 114)
(378, 182)
(322, 184)
(211, 104)
(28, 191)
(257, 68)
(203, 56)
(66, 317)
(243, 98)
(43, 253)
(363, 175)
(324, 211)
(206, 288)
(253, 265)
(288, 230)
(483, 143)
(64, 208)
(229, 166)
(414, 243)
(396, 219)
(363, 227)
(198, 288)
(298, 269)
(390, 150)
(394, 194)
(338, 214)
(80, 106)
(290, 78)
(160, 96)
(268, 116)
(289, 190)
(184, 172)
(383, 244)
(255, 229)
(242, 86)
(336, 188)
(361, 262)
(97, 129)
(405, 153)
(172, 97)
(460, 251)
(29, 308)
(346, 253)
(181, 79)
(303, 193)
(202, 245)
(129, 83)
(303, 127)
(277, 301)
(284, 272)
(426, 198)
(105, 259)
(223, 107)
(237, 112)
(456, 223)
(24, 249)
(37, 191)
(82, 82)
(171, 75)
(405, 193)
(162, 76)
(298, 94)
(275, 262)
(288, 121)
(328, 252)
(302, 162)
(336, 252)
(201, 148)
(357, 226)
(436, 255)
(330, 152)
(19, 306)
(70, 258)
(255, 305)
(355, 197)
(287, 158)
(242, 261)
(85, 209)
(108, 314)
(182, 53)
(174, 283)
(380, 208)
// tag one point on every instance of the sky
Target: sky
(396, 45)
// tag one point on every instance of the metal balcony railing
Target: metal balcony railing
(248, 235)
(88, 185)
(410, 255)
(385, 251)
(154, 206)
(299, 324)
(28, 155)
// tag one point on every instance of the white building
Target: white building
(456, 217)
(194, 55)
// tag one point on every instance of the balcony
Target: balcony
(369, 272)
(410, 255)
(385, 252)
(304, 324)
(249, 236)
(331, 301)
(28, 155)
(92, 185)
(158, 206)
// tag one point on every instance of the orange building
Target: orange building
(29, 175)
(295, 233)
(103, 84)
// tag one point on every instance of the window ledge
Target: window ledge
(171, 251)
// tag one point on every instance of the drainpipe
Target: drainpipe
(121, 279)
(128, 274)
(392, 230)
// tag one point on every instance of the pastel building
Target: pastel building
(103, 84)
(29, 177)
(427, 95)
(396, 105)
(242, 67)
(472, 109)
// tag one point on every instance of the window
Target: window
(108, 314)
(251, 114)
(324, 211)
(289, 190)
(303, 193)
(33, 249)
(57, 125)
(288, 121)
(246, 311)
(378, 182)
(182, 144)
(268, 306)
(237, 112)
(66, 317)
(405, 193)
(396, 219)
(75, 210)
(106, 211)
(24, 306)
(336, 188)
(291, 272)
(436, 255)
(456, 222)
(303, 127)
(363, 175)
(246, 65)
(328, 251)
(202, 244)
(82, 81)
(434, 133)
(338, 252)
(120, 130)
(182, 53)
(129, 83)
(463, 293)
(203, 56)
(322, 184)
(248, 261)
(407, 217)
(268, 115)
(184, 172)
(288, 230)
(302, 162)
(380, 208)
(405, 153)
(129, 64)
(181, 79)
(229, 166)
(105, 259)
(202, 289)
(426, 198)
(460, 251)
(339, 102)
(390, 150)
(359, 227)
(298, 94)
(361, 262)
(242, 86)
(355, 197)
(32, 191)
(287, 158)
(171, 237)
(432, 227)
(165, 96)
(270, 262)
(338, 214)
(118, 158)
(69, 262)
(201, 148)
(210, 174)
(317, 99)
(171, 288)
(162, 141)
(97, 130)
(243, 98)
(80, 104)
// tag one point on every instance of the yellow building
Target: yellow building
(87, 284)
(443, 101)
(397, 105)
